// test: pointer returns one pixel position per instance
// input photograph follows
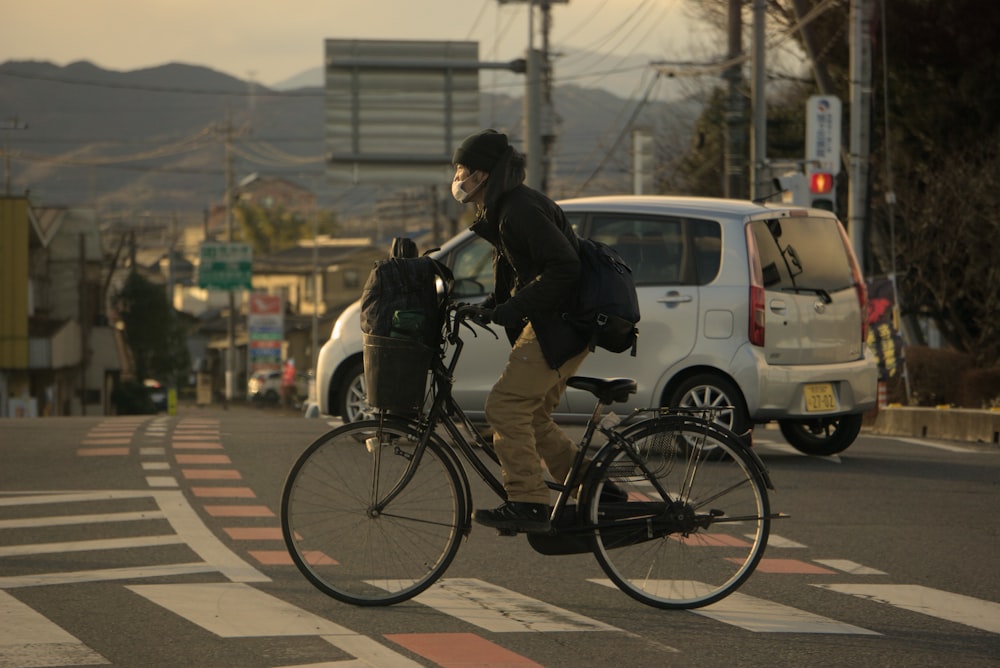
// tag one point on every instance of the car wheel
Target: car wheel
(353, 395)
(822, 436)
(271, 397)
(709, 391)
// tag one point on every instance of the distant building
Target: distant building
(58, 353)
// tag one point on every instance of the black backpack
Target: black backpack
(607, 307)
(405, 296)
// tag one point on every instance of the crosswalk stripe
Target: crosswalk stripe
(35, 498)
(850, 567)
(761, 616)
(500, 610)
(64, 520)
(234, 610)
(104, 575)
(89, 545)
(966, 610)
(774, 540)
(29, 639)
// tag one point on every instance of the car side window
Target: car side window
(472, 265)
(653, 246)
(706, 244)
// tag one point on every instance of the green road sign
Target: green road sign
(225, 266)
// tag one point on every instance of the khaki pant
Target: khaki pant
(519, 409)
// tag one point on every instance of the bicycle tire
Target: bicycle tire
(342, 545)
(700, 544)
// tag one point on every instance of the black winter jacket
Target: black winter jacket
(536, 263)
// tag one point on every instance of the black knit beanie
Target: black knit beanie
(480, 151)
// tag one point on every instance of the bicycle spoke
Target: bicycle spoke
(341, 539)
(694, 551)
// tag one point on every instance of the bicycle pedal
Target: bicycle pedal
(507, 532)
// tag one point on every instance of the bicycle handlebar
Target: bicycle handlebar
(479, 315)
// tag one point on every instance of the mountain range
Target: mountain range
(152, 141)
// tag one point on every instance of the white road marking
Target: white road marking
(760, 616)
(966, 610)
(774, 540)
(29, 639)
(848, 566)
(161, 481)
(934, 444)
(89, 545)
(198, 537)
(105, 575)
(35, 498)
(501, 610)
(233, 610)
(786, 449)
(64, 520)
(185, 522)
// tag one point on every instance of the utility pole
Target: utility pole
(861, 99)
(231, 325)
(548, 129)
(539, 116)
(734, 184)
(12, 124)
(758, 135)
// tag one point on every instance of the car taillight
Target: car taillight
(860, 287)
(755, 319)
(755, 330)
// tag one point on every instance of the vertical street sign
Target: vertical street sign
(265, 331)
(823, 133)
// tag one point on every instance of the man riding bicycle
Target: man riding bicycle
(536, 270)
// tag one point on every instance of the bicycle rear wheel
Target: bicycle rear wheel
(342, 534)
(695, 524)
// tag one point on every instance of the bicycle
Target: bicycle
(373, 512)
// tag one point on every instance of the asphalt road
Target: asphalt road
(155, 541)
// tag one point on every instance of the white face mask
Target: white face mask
(458, 192)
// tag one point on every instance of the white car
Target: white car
(759, 308)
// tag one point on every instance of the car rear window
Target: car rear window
(802, 254)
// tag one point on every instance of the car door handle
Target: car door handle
(674, 297)
(778, 306)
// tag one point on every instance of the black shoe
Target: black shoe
(612, 493)
(517, 516)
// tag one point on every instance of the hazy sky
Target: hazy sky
(272, 41)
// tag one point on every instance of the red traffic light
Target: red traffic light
(820, 182)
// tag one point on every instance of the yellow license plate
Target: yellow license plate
(819, 398)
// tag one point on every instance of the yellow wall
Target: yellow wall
(13, 283)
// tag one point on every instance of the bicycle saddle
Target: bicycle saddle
(608, 390)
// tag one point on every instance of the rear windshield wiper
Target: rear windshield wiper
(823, 294)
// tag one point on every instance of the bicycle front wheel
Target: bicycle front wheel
(357, 529)
(695, 523)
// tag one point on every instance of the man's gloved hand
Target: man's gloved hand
(506, 315)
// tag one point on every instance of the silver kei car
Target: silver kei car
(758, 309)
